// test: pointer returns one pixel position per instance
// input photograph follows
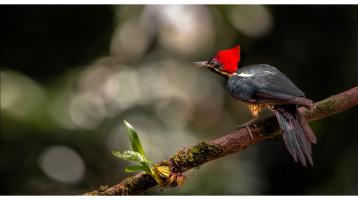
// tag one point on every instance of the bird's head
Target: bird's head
(224, 62)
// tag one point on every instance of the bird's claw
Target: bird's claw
(247, 126)
(248, 129)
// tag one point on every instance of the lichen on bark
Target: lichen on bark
(196, 155)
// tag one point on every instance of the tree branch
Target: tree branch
(235, 141)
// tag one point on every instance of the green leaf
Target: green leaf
(135, 168)
(130, 156)
(147, 167)
(134, 139)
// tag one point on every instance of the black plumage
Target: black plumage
(264, 84)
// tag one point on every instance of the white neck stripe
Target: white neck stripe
(243, 74)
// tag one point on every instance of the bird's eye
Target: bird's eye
(213, 62)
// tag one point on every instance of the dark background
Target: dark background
(52, 56)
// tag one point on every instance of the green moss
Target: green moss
(164, 163)
(101, 191)
(102, 188)
(195, 156)
(134, 184)
(326, 106)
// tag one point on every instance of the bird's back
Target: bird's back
(262, 83)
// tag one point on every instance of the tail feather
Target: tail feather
(308, 131)
(287, 138)
(303, 142)
(297, 134)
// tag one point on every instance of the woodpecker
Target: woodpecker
(264, 86)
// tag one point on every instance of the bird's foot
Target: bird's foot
(247, 126)
(248, 129)
(248, 123)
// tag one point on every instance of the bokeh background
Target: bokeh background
(71, 74)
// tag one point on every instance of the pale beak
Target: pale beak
(201, 63)
(211, 67)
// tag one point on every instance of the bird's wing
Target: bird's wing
(263, 84)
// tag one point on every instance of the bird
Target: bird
(264, 86)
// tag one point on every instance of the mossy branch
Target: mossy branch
(235, 141)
